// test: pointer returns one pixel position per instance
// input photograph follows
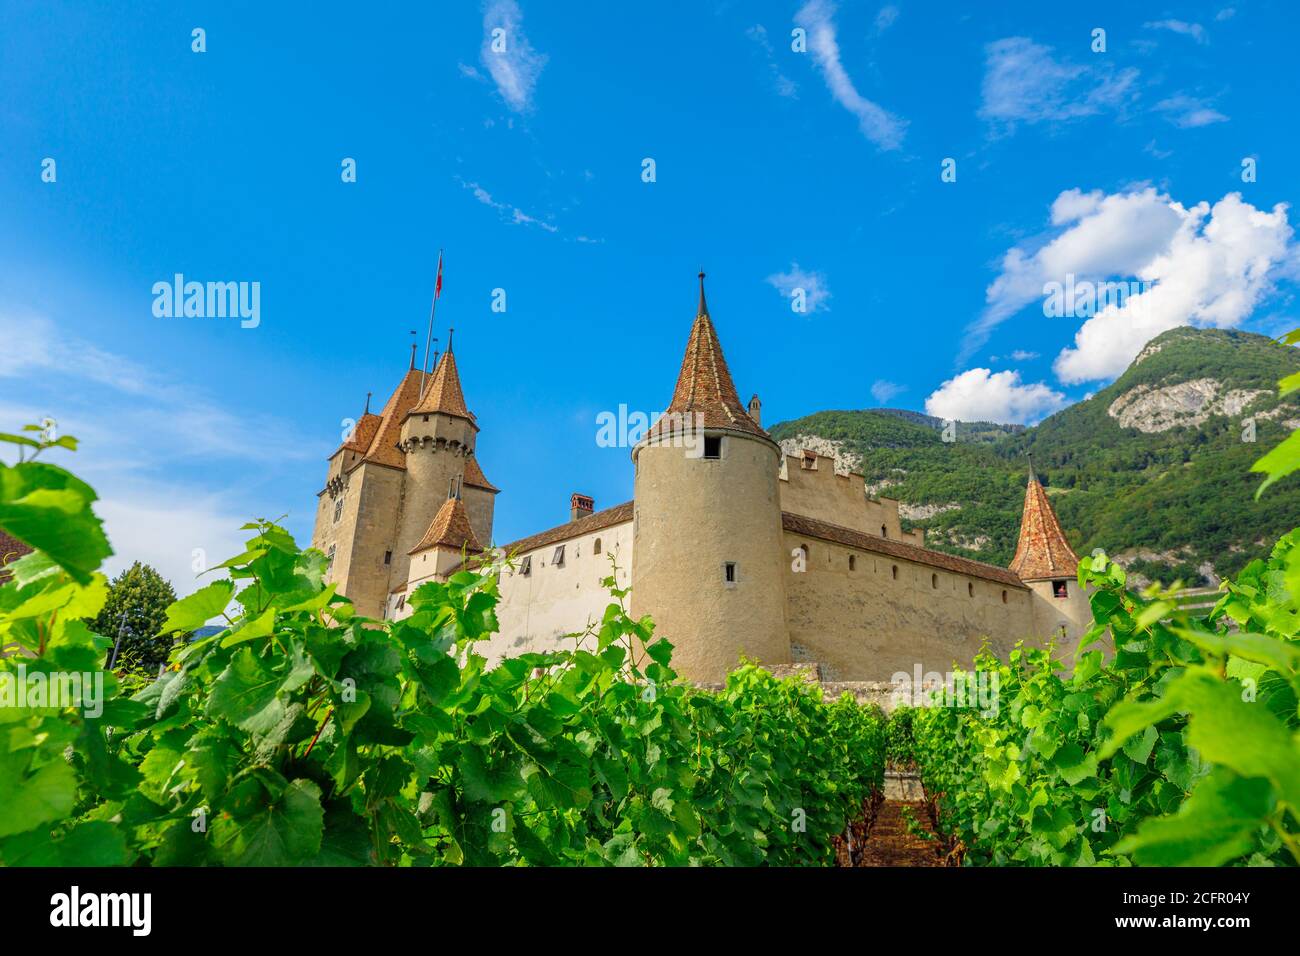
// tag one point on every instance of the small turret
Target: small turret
(1045, 561)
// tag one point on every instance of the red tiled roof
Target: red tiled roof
(704, 384)
(801, 524)
(363, 433)
(573, 529)
(383, 447)
(443, 392)
(474, 476)
(1042, 551)
(449, 528)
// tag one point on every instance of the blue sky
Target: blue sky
(775, 169)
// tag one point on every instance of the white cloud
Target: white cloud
(1197, 265)
(508, 212)
(816, 292)
(1025, 82)
(886, 17)
(1226, 13)
(514, 65)
(877, 124)
(146, 445)
(1188, 112)
(783, 85)
(1193, 30)
(1073, 204)
(1110, 236)
(981, 395)
(1020, 355)
(1218, 265)
(883, 391)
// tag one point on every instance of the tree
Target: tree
(136, 608)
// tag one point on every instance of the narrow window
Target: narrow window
(388, 557)
(329, 556)
(1004, 597)
(598, 551)
(970, 588)
(401, 602)
(934, 580)
(526, 565)
(729, 573)
(884, 532)
(558, 558)
(1059, 589)
(894, 572)
(713, 446)
(338, 508)
(853, 562)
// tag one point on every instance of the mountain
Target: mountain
(1154, 468)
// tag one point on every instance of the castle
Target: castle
(732, 546)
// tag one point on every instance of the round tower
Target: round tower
(437, 438)
(708, 561)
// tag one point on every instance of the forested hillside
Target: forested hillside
(1155, 468)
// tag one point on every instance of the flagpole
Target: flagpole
(428, 341)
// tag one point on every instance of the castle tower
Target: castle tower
(708, 550)
(363, 486)
(388, 479)
(1045, 561)
(437, 440)
(448, 539)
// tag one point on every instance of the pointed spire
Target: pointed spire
(450, 530)
(451, 332)
(376, 436)
(704, 385)
(443, 392)
(1042, 553)
(413, 345)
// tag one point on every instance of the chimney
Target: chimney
(580, 506)
(755, 410)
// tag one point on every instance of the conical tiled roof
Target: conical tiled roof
(443, 392)
(383, 447)
(474, 476)
(450, 529)
(363, 433)
(704, 385)
(1042, 551)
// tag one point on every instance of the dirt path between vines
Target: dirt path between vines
(890, 844)
(888, 841)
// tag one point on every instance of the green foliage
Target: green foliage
(1112, 487)
(1181, 751)
(901, 747)
(136, 608)
(305, 734)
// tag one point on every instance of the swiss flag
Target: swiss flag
(437, 289)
